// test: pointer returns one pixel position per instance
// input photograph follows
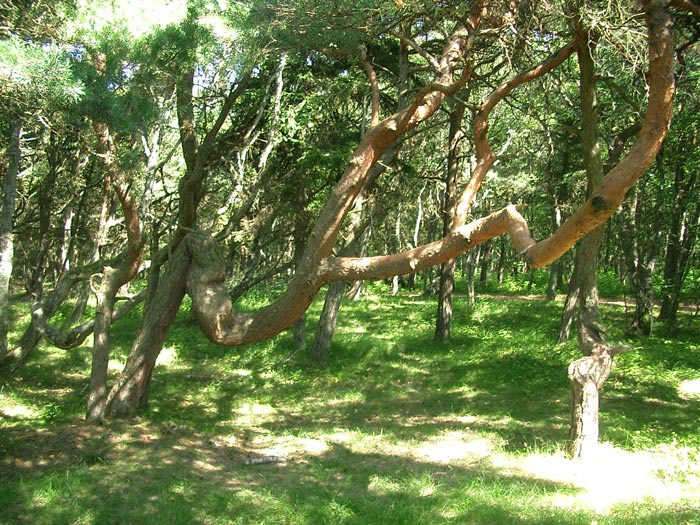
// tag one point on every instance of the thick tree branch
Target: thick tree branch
(484, 154)
(686, 5)
(609, 194)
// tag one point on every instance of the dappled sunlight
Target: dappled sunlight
(12, 409)
(115, 366)
(455, 446)
(689, 390)
(612, 476)
(167, 356)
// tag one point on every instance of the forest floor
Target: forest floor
(394, 429)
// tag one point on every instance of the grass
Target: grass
(397, 429)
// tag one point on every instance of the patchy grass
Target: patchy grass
(396, 429)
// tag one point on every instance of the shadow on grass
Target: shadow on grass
(500, 377)
(144, 474)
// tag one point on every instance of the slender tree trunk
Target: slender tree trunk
(569, 311)
(588, 374)
(486, 250)
(585, 272)
(640, 255)
(443, 323)
(683, 231)
(590, 328)
(327, 322)
(470, 273)
(130, 392)
(9, 189)
(97, 396)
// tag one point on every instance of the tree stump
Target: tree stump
(587, 376)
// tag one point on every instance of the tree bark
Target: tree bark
(130, 391)
(443, 323)
(9, 189)
(327, 322)
(585, 285)
(587, 376)
(683, 231)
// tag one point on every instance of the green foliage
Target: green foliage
(35, 77)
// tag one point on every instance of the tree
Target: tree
(196, 266)
(37, 79)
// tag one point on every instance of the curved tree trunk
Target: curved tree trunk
(206, 275)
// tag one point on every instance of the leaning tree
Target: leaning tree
(196, 266)
(455, 48)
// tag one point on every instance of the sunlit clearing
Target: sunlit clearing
(11, 409)
(167, 356)
(454, 446)
(611, 476)
(689, 389)
(256, 409)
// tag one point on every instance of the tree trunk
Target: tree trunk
(443, 323)
(130, 392)
(97, 394)
(569, 311)
(470, 272)
(485, 250)
(685, 217)
(9, 189)
(590, 329)
(640, 255)
(327, 322)
(587, 376)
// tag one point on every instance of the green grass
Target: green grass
(397, 429)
